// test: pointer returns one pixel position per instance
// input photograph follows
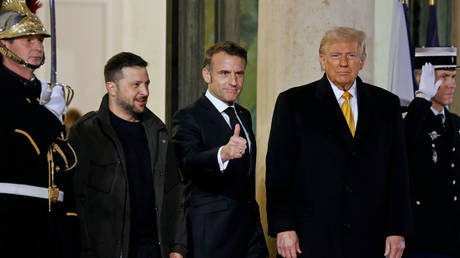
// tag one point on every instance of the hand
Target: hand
(427, 85)
(235, 147)
(53, 99)
(287, 244)
(175, 255)
(394, 246)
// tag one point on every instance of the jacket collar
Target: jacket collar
(149, 119)
(365, 109)
(215, 117)
(214, 114)
(152, 126)
(333, 118)
(22, 80)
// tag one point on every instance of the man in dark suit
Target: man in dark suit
(216, 149)
(333, 191)
(433, 141)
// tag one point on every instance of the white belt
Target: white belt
(27, 190)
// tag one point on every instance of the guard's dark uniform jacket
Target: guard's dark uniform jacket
(434, 166)
(30, 135)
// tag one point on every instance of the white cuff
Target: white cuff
(222, 165)
(53, 100)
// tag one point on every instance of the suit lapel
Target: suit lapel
(331, 116)
(247, 123)
(215, 117)
(364, 110)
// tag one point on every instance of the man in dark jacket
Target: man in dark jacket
(35, 157)
(217, 152)
(333, 191)
(433, 140)
(127, 188)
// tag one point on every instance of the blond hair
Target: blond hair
(338, 34)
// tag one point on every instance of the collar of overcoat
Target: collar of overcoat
(332, 117)
(216, 117)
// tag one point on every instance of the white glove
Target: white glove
(54, 102)
(428, 87)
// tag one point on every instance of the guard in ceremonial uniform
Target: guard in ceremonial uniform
(35, 217)
(433, 137)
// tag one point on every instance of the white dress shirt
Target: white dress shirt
(221, 107)
(353, 100)
(435, 112)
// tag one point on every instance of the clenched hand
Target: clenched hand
(235, 147)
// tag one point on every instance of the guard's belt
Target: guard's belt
(27, 190)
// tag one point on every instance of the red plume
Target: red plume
(33, 5)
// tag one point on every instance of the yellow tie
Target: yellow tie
(346, 109)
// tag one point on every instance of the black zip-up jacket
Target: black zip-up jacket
(102, 192)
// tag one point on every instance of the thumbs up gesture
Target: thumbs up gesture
(235, 147)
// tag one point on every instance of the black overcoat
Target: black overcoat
(342, 195)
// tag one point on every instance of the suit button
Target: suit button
(163, 141)
(453, 182)
(453, 149)
(418, 202)
(347, 226)
(452, 165)
(159, 243)
(455, 198)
